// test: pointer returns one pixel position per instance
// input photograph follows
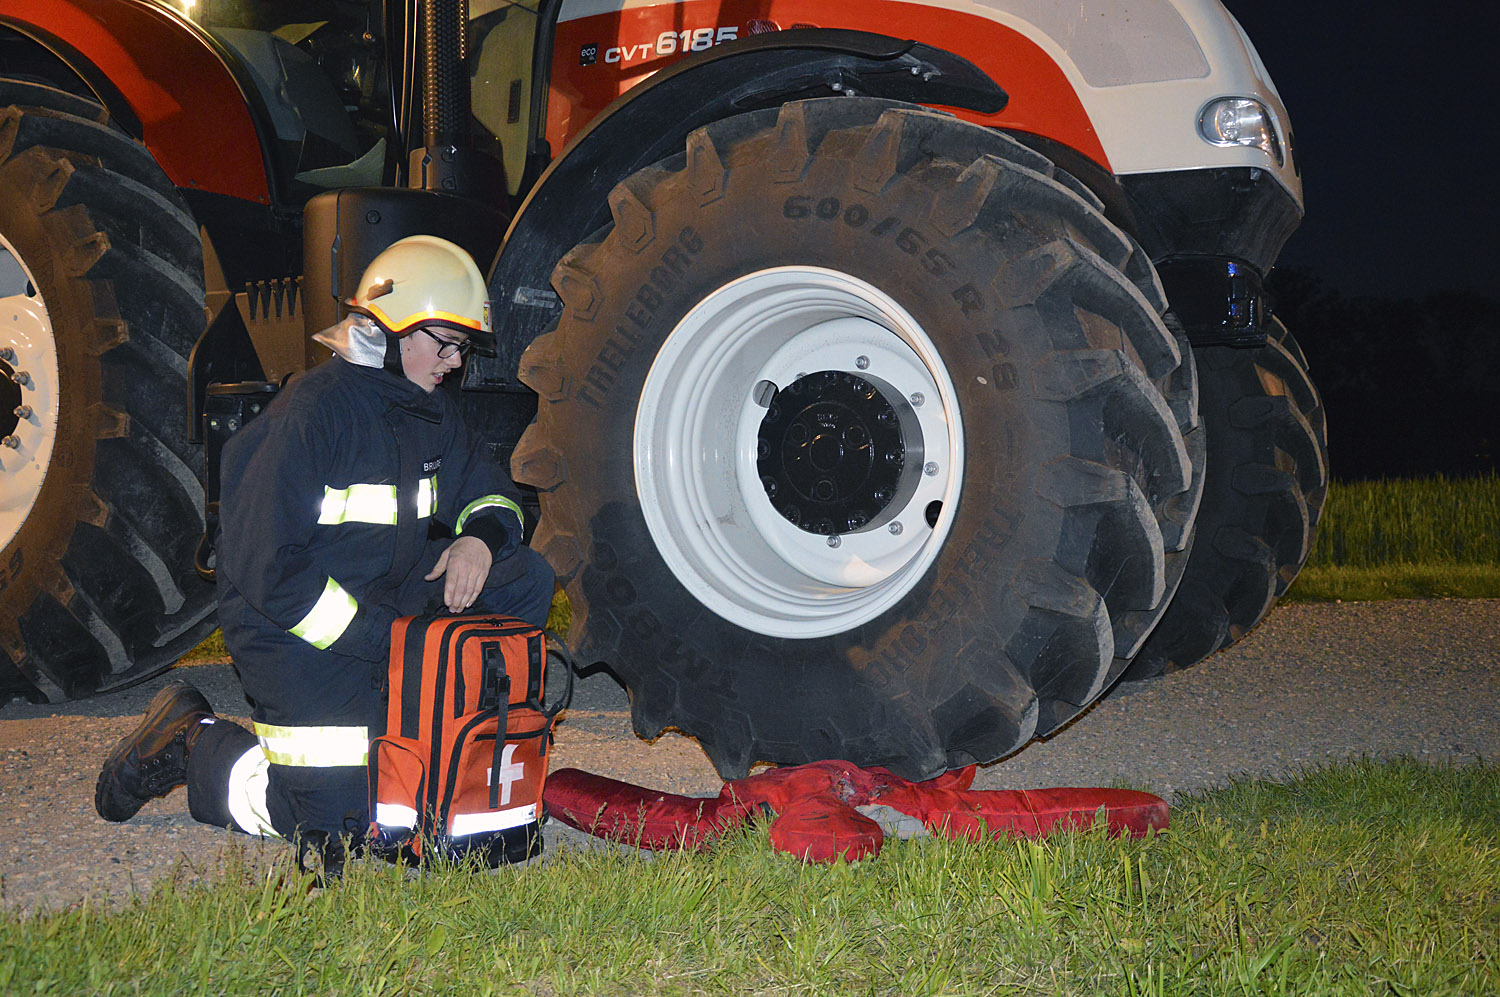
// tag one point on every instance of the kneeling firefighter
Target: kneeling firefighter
(356, 498)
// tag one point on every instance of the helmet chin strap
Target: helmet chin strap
(393, 355)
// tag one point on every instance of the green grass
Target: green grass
(1428, 538)
(211, 651)
(1357, 879)
(1397, 581)
(1426, 522)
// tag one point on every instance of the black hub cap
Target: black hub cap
(830, 452)
(10, 399)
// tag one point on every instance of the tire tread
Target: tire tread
(1266, 484)
(129, 602)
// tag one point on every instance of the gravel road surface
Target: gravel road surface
(1311, 684)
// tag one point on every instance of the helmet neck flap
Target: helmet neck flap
(362, 341)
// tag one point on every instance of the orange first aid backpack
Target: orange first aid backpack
(461, 766)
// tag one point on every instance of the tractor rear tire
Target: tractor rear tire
(808, 295)
(100, 492)
(1263, 494)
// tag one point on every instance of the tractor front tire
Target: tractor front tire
(1263, 494)
(101, 300)
(854, 441)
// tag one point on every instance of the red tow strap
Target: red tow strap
(816, 816)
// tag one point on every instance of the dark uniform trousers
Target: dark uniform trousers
(334, 799)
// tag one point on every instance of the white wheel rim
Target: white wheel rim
(28, 361)
(696, 462)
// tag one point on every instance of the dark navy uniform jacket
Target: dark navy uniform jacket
(327, 502)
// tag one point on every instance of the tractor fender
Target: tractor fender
(651, 121)
(163, 80)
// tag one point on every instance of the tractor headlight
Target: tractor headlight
(1231, 121)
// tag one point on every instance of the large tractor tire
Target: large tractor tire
(101, 299)
(1263, 494)
(856, 441)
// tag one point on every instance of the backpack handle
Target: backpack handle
(556, 647)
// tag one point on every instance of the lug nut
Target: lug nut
(834, 540)
(14, 442)
(7, 354)
(863, 363)
(895, 528)
(23, 412)
(930, 468)
(917, 398)
(21, 377)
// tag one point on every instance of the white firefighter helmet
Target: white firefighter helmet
(423, 280)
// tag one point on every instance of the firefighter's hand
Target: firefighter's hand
(466, 563)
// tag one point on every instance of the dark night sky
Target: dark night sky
(1392, 103)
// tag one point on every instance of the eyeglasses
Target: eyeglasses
(448, 347)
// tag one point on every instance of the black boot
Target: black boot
(151, 760)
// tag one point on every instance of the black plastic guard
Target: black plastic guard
(1221, 302)
(1214, 235)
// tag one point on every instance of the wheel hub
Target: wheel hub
(830, 452)
(10, 400)
(29, 391)
(798, 451)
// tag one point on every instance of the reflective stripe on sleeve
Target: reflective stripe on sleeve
(487, 502)
(329, 617)
(426, 497)
(314, 747)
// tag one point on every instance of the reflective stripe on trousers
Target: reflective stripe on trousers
(247, 793)
(314, 747)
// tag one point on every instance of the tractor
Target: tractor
(893, 376)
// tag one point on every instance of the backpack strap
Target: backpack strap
(494, 694)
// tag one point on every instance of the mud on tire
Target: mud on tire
(1045, 494)
(97, 587)
(1263, 494)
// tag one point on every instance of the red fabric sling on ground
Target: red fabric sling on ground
(816, 816)
(461, 768)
